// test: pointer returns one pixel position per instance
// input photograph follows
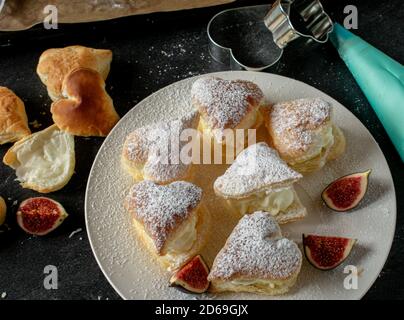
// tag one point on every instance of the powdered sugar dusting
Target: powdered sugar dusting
(151, 146)
(256, 167)
(256, 249)
(162, 208)
(293, 121)
(134, 272)
(225, 103)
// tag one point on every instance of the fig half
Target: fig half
(193, 276)
(346, 192)
(326, 253)
(40, 215)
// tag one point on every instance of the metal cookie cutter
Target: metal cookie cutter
(253, 38)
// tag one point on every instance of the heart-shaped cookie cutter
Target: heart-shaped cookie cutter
(260, 33)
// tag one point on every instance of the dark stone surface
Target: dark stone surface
(150, 52)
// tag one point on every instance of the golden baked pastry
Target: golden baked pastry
(43, 161)
(256, 258)
(55, 64)
(227, 105)
(303, 133)
(146, 153)
(260, 180)
(3, 210)
(86, 109)
(170, 220)
(13, 119)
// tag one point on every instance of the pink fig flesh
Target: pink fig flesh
(346, 192)
(40, 215)
(325, 252)
(193, 276)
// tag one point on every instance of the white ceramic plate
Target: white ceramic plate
(133, 272)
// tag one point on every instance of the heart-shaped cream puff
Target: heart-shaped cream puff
(256, 258)
(304, 133)
(149, 152)
(256, 168)
(87, 109)
(169, 219)
(226, 104)
(260, 180)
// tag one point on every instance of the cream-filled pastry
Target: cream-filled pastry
(147, 151)
(303, 132)
(43, 161)
(256, 258)
(170, 219)
(259, 179)
(225, 106)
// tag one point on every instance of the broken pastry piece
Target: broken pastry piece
(170, 219)
(225, 106)
(55, 64)
(43, 161)
(3, 211)
(13, 119)
(147, 152)
(256, 258)
(260, 180)
(303, 133)
(86, 109)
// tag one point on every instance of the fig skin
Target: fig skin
(357, 198)
(341, 243)
(40, 215)
(195, 271)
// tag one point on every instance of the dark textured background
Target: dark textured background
(150, 52)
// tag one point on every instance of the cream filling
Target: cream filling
(271, 200)
(259, 285)
(184, 238)
(46, 158)
(323, 141)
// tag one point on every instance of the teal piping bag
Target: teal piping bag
(381, 79)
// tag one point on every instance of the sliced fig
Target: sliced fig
(193, 276)
(346, 192)
(40, 215)
(326, 253)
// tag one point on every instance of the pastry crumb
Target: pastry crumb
(35, 124)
